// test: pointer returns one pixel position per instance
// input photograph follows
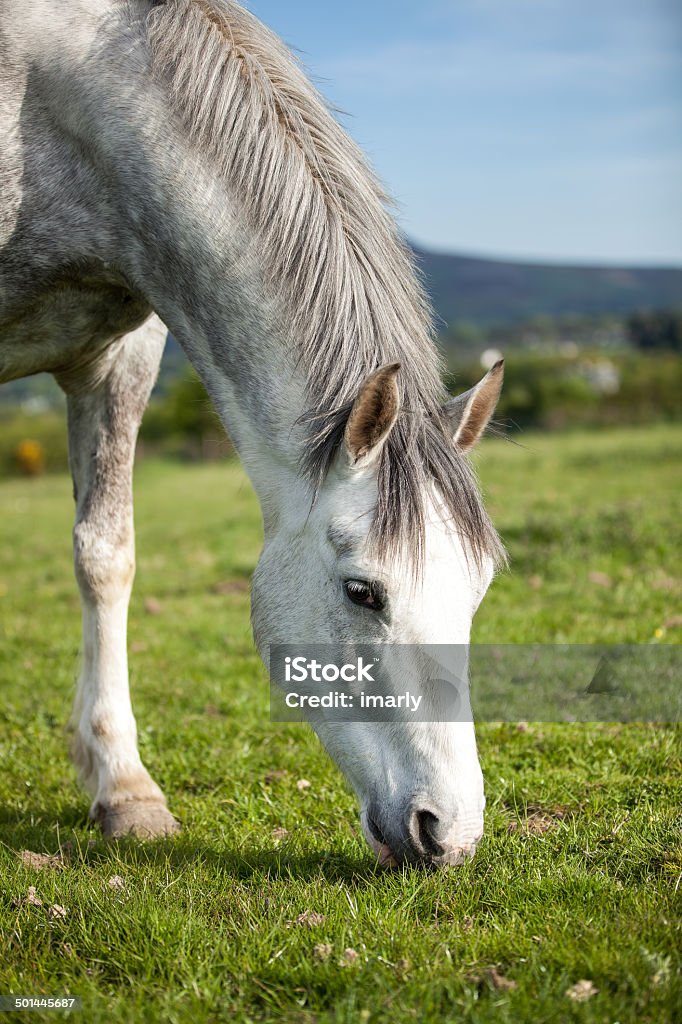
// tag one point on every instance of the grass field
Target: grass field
(268, 905)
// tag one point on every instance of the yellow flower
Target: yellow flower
(30, 457)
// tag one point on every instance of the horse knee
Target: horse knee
(104, 561)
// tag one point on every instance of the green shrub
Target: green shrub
(583, 389)
(183, 422)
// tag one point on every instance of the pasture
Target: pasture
(268, 906)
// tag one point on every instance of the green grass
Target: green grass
(578, 876)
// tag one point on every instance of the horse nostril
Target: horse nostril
(424, 827)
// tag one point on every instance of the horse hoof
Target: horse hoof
(144, 819)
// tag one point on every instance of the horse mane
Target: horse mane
(344, 279)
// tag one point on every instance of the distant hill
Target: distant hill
(488, 292)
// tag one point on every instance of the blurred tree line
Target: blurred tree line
(539, 333)
(630, 372)
(182, 421)
(658, 330)
(559, 391)
(179, 423)
(650, 330)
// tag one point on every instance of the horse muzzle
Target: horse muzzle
(420, 835)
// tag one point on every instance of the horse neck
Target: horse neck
(202, 274)
(187, 247)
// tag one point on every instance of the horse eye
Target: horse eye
(364, 594)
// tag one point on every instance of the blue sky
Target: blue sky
(547, 129)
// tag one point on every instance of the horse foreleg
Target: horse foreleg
(105, 406)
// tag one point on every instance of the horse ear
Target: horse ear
(374, 412)
(469, 413)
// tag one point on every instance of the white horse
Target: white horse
(169, 161)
